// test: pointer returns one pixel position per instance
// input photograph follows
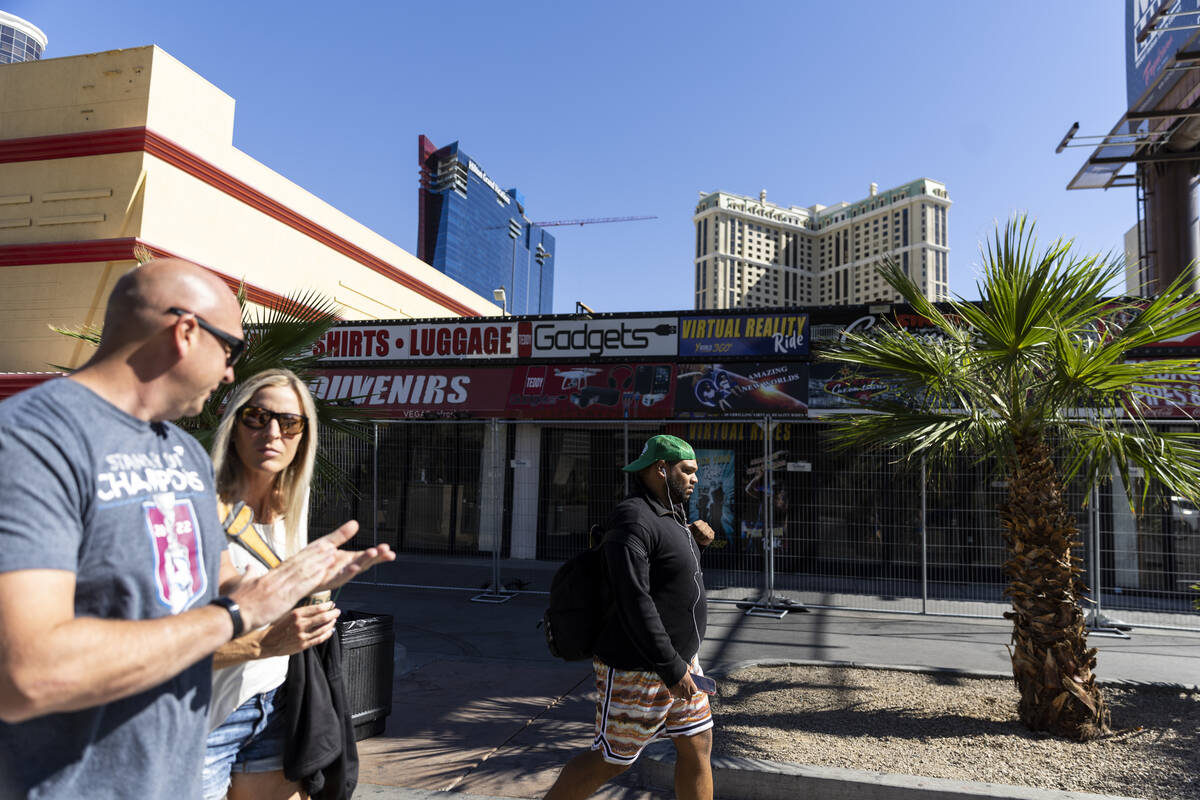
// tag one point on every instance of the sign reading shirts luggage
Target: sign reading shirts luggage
(422, 341)
(765, 335)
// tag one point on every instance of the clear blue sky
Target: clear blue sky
(623, 108)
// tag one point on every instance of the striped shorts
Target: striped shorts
(635, 708)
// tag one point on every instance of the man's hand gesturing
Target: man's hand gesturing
(702, 532)
(321, 565)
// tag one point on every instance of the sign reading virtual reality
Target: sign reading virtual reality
(761, 335)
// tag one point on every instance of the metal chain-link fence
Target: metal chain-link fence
(495, 506)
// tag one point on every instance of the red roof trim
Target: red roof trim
(123, 140)
(14, 255)
(73, 145)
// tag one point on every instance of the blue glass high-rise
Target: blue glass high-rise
(478, 234)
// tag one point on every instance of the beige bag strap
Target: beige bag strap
(238, 521)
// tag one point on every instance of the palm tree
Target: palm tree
(1036, 370)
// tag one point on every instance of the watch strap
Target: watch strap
(235, 613)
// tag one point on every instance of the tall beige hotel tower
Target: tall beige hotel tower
(752, 253)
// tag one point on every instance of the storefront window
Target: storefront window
(429, 476)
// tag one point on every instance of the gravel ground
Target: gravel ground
(949, 726)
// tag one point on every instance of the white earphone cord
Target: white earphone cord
(692, 548)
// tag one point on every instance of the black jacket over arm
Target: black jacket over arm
(654, 574)
(321, 754)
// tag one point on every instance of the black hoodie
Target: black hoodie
(654, 575)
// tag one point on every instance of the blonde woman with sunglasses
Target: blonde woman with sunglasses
(263, 455)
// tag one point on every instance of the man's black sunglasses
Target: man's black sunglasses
(235, 345)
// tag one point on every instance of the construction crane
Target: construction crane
(592, 221)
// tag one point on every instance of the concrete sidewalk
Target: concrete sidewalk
(480, 706)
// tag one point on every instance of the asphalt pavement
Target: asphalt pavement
(481, 708)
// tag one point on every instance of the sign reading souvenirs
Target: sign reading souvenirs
(767, 335)
(417, 393)
(557, 391)
(772, 388)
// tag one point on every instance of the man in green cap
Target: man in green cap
(646, 656)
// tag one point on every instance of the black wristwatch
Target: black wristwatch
(235, 613)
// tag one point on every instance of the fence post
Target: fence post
(375, 492)
(768, 605)
(1094, 547)
(625, 457)
(768, 512)
(924, 544)
(495, 592)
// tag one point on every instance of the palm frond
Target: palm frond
(1044, 352)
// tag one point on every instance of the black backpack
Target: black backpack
(580, 603)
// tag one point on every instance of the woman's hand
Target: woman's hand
(299, 629)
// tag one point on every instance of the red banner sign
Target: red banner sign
(587, 391)
(421, 341)
(418, 393)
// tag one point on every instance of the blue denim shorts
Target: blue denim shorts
(251, 739)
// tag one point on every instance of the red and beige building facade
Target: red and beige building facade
(106, 152)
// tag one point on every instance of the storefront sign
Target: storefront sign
(418, 393)
(761, 388)
(836, 386)
(721, 432)
(583, 391)
(598, 338)
(1177, 397)
(916, 325)
(767, 335)
(420, 341)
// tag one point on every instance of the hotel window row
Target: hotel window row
(752, 253)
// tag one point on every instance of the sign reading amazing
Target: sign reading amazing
(748, 335)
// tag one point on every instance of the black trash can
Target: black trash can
(367, 667)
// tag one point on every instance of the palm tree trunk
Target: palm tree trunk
(1052, 664)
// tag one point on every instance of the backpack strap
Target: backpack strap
(238, 521)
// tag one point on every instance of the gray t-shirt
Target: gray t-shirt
(128, 506)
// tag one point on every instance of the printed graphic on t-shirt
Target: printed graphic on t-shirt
(131, 474)
(179, 569)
